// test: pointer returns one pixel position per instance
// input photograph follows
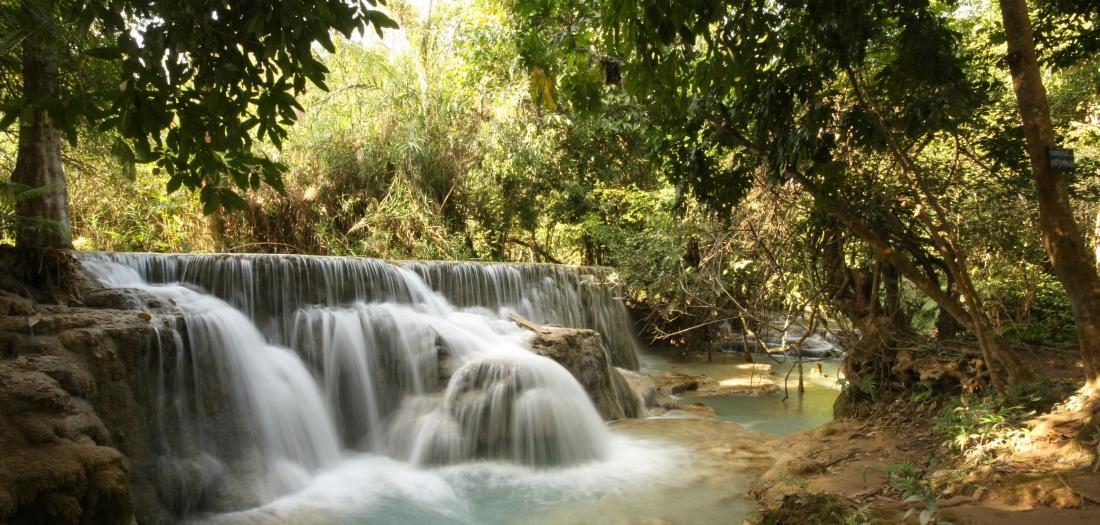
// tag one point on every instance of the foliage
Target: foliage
(906, 479)
(676, 142)
(976, 424)
(189, 86)
(11, 194)
(817, 509)
(859, 516)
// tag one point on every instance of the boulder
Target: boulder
(57, 465)
(645, 389)
(677, 383)
(583, 353)
(72, 429)
(122, 299)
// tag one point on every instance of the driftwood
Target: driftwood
(527, 323)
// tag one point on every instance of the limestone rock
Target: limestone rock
(645, 389)
(584, 354)
(56, 466)
(757, 382)
(676, 383)
(72, 431)
(122, 299)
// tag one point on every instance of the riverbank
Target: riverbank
(906, 459)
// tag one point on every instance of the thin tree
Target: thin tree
(1062, 237)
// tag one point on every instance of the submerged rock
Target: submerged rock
(757, 382)
(582, 352)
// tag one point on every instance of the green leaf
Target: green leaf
(105, 53)
(211, 200)
(380, 21)
(174, 183)
(230, 199)
(9, 118)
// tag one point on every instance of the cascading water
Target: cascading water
(271, 288)
(295, 366)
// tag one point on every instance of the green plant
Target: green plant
(11, 223)
(976, 423)
(799, 483)
(924, 392)
(859, 516)
(869, 387)
(906, 479)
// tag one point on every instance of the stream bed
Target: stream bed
(769, 413)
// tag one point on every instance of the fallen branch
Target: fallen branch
(526, 323)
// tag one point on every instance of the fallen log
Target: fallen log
(527, 323)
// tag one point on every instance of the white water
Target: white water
(358, 420)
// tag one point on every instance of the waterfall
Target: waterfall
(285, 366)
(271, 288)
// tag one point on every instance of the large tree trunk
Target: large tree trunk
(947, 327)
(38, 164)
(853, 291)
(1063, 240)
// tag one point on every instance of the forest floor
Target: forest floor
(896, 463)
(880, 469)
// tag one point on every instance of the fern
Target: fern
(11, 223)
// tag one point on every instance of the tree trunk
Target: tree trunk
(991, 344)
(851, 291)
(893, 304)
(1063, 240)
(1096, 241)
(947, 327)
(38, 164)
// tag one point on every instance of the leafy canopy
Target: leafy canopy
(190, 86)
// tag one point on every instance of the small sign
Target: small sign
(1060, 160)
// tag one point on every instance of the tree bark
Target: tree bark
(1061, 236)
(992, 346)
(38, 164)
(947, 327)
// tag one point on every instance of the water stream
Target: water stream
(780, 413)
(343, 390)
(352, 391)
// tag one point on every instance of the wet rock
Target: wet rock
(697, 409)
(645, 389)
(676, 383)
(11, 304)
(583, 353)
(122, 299)
(56, 467)
(72, 430)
